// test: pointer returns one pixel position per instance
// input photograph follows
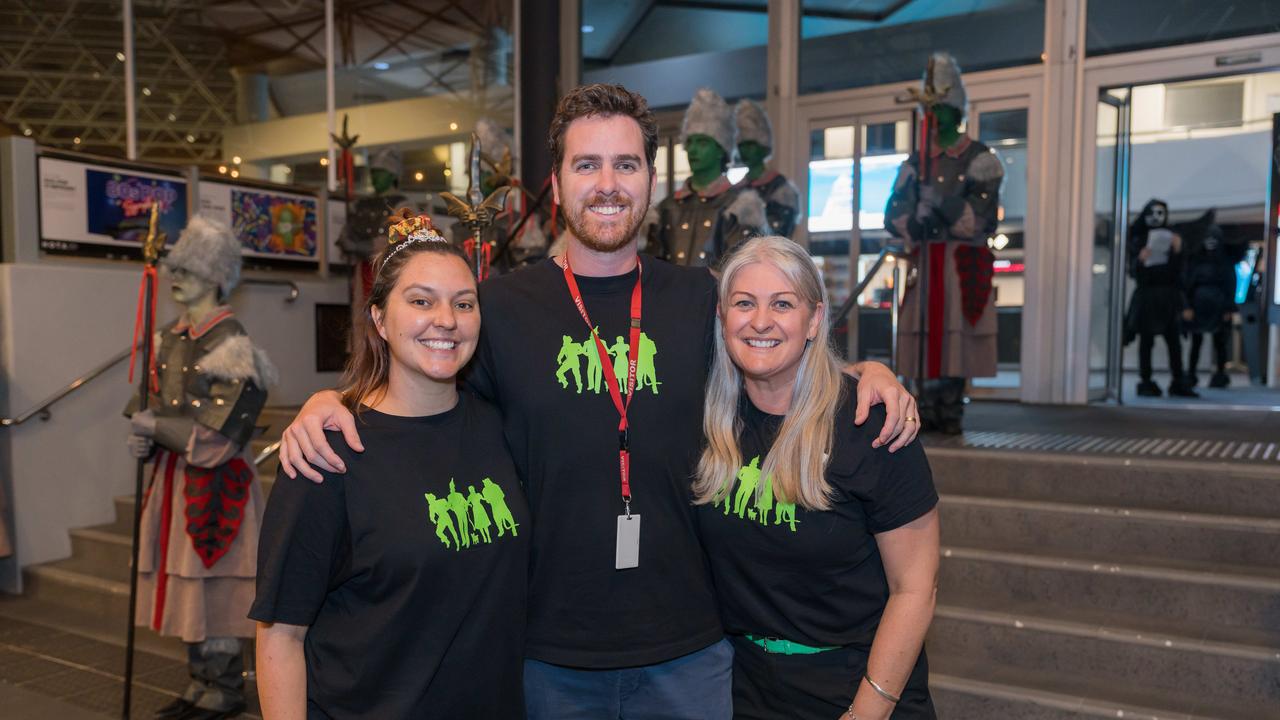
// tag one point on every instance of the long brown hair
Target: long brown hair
(369, 366)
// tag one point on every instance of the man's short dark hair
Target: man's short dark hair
(603, 100)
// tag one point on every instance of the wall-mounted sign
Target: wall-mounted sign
(272, 224)
(94, 209)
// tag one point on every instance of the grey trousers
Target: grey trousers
(216, 667)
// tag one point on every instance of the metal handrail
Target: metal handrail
(852, 300)
(42, 409)
(293, 286)
(266, 453)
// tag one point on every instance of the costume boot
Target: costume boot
(219, 664)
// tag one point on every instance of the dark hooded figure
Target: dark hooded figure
(1209, 280)
(1155, 309)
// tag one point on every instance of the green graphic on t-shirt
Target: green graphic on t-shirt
(462, 521)
(572, 354)
(743, 501)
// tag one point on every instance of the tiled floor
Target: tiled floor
(67, 670)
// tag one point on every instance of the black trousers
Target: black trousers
(814, 687)
(1147, 341)
(942, 400)
(1219, 348)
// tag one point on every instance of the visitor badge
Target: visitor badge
(628, 555)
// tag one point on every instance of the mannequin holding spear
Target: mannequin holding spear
(196, 526)
(945, 206)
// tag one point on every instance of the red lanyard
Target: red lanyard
(633, 356)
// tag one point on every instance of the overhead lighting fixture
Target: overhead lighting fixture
(235, 160)
(222, 169)
(120, 56)
(235, 173)
(448, 172)
(26, 131)
(146, 91)
(324, 162)
(381, 66)
(191, 138)
(76, 140)
(453, 126)
(172, 117)
(588, 28)
(418, 176)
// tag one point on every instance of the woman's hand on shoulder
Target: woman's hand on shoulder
(878, 384)
(303, 445)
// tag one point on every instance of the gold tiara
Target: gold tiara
(411, 230)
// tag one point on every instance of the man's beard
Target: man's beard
(576, 220)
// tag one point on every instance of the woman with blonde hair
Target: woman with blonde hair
(824, 550)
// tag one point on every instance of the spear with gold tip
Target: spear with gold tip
(477, 212)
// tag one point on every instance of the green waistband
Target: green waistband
(778, 646)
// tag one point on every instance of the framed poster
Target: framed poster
(273, 225)
(103, 210)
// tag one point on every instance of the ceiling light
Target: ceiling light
(418, 176)
(235, 160)
(172, 117)
(222, 169)
(146, 91)
(324, 162)
(26, 131)
(235, 173)
(448, 172)
(381, 66)
(76, 140)
(588, 28)
(120, 56)
(191, 138)
(453, 126)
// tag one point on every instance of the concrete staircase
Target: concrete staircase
(89, 591)
(1087, 587)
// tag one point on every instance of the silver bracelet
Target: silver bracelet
(881, 691)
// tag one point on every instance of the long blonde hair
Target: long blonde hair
(797, 461)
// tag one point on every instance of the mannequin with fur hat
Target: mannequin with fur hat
(707, 216)
(944, 218)
(755, 146)
(497, 165)
(203, 507)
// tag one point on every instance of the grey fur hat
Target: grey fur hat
(494, 141)
(946, 78)
(709, 115)
(388, 158)
(207, 248)
(753, 123)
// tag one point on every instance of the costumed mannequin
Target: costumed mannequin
(366, 227)
(496, 163)
(1209, 278)
(202, 511)
(707, 216)
(755, 146)
(1155, 308)
(950, 212)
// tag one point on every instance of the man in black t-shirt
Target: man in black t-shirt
(622, 620)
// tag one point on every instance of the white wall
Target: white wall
(59, 320)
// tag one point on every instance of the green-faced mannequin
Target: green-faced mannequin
(949, 119)
(754, 155)
(383, 180)
(706, 160)
(197, 296)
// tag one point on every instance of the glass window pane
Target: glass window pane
(846, 45)
(667, 51)
(1113, 27)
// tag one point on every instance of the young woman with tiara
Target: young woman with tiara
(397, 589)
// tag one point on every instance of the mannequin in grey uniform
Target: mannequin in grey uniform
(707, 216)
(951, 213)
(203, 506)
(755, 145)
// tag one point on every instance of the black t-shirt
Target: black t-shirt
(411, 615)
(538, 363)
(813, 577)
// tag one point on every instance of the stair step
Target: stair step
(97, 600)
(1018, 525)
(101, 551)
(1151, 483)
(1222, 601)
(1237, 679)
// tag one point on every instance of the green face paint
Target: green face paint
(753, 155)
(706, 159)
(573, 353)
(948, 119)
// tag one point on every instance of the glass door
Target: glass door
(852, 163)
(1111, 226)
